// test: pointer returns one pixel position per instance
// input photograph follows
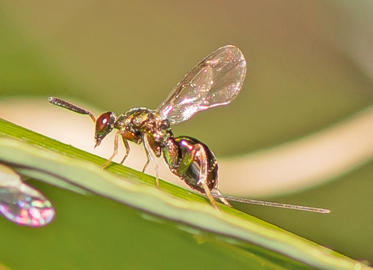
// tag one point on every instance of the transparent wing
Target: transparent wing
(215, 81)
(21, 203)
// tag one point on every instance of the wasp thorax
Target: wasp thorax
(165, 124)
(161, 130)
(140, 119)
(104, 125)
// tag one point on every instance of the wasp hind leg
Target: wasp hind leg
(209, 196)
(221, 197)
(200, 153)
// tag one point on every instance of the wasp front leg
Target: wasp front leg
(115, 151)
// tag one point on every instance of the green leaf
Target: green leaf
(247, 240)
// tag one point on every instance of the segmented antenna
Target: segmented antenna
(67, 105)
(272, 204)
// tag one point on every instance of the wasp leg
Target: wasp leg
(200, 153)
(156, 176)
(126, 145)
(150, 156)
(115, 152)
(221, 198)
(209, 196)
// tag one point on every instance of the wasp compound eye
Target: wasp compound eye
(104, 125)
(103, 121)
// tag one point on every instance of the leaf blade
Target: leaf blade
(24, 148)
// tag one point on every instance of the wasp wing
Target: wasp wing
(215, 81)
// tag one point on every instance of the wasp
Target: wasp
(215, 81)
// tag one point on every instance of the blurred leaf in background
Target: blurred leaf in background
(309, 66)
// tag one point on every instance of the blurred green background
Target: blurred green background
(309, 66)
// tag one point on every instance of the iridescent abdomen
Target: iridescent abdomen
(192, 155)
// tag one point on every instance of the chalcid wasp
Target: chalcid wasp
(215, 81)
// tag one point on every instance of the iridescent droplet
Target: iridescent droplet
(21, 203)
(29, 208)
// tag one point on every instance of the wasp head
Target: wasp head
(104, 125)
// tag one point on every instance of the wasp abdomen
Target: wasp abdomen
(195, 165)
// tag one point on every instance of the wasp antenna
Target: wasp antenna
(67, 105)
(274, 204)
